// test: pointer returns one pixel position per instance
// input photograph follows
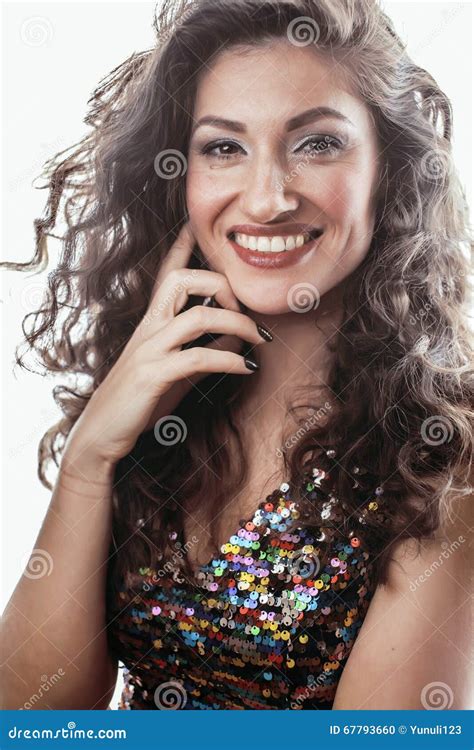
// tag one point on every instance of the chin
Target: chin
(265, 307)
(262, 303)
(271, 297)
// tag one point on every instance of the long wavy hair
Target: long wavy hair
(402, 366)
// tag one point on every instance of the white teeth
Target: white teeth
(271, 244)
(277, 244)
(264, 244)
(252, 243)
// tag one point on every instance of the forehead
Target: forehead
(275, 81)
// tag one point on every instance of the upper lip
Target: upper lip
(282, 230)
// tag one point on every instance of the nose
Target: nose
(267, 191)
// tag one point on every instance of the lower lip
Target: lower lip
(274, 260)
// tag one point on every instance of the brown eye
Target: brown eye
(208, 150)
(323, 144)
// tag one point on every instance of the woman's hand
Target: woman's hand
(153, 373)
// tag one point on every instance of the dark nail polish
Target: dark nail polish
(264, 333)
(251, 364)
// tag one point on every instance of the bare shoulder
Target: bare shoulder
(450, 549)
(414, 646)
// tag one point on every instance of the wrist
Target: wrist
(83, 463)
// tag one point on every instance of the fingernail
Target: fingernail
(251, 364)
(264, 333)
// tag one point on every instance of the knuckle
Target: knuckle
(200, 316)
(223, 286)
(195, 357)
(174, 276)
(225, 289)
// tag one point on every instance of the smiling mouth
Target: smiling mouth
(274, 245)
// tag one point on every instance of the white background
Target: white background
(54, 55)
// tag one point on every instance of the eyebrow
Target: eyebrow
(309, 115)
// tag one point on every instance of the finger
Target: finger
(226, 342)
(174, 395)
(183, 282)
(199, 320)
(185, 363)
(178, 255)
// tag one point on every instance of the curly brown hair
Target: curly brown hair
(402, 371)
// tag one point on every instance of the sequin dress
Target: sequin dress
(267, 624)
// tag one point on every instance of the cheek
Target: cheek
(343, 197)
(203, 196)
(204, 202)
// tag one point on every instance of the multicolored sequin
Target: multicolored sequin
(268, 624)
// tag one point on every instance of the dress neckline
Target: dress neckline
(283, 488)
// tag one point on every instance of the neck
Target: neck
(297, 356)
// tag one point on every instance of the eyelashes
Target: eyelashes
(326, 144)
(207, 150)
(332, 144)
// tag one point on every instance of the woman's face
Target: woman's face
(270, 174)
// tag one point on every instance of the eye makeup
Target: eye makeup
(326, 145)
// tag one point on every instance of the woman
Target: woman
(267, 193)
